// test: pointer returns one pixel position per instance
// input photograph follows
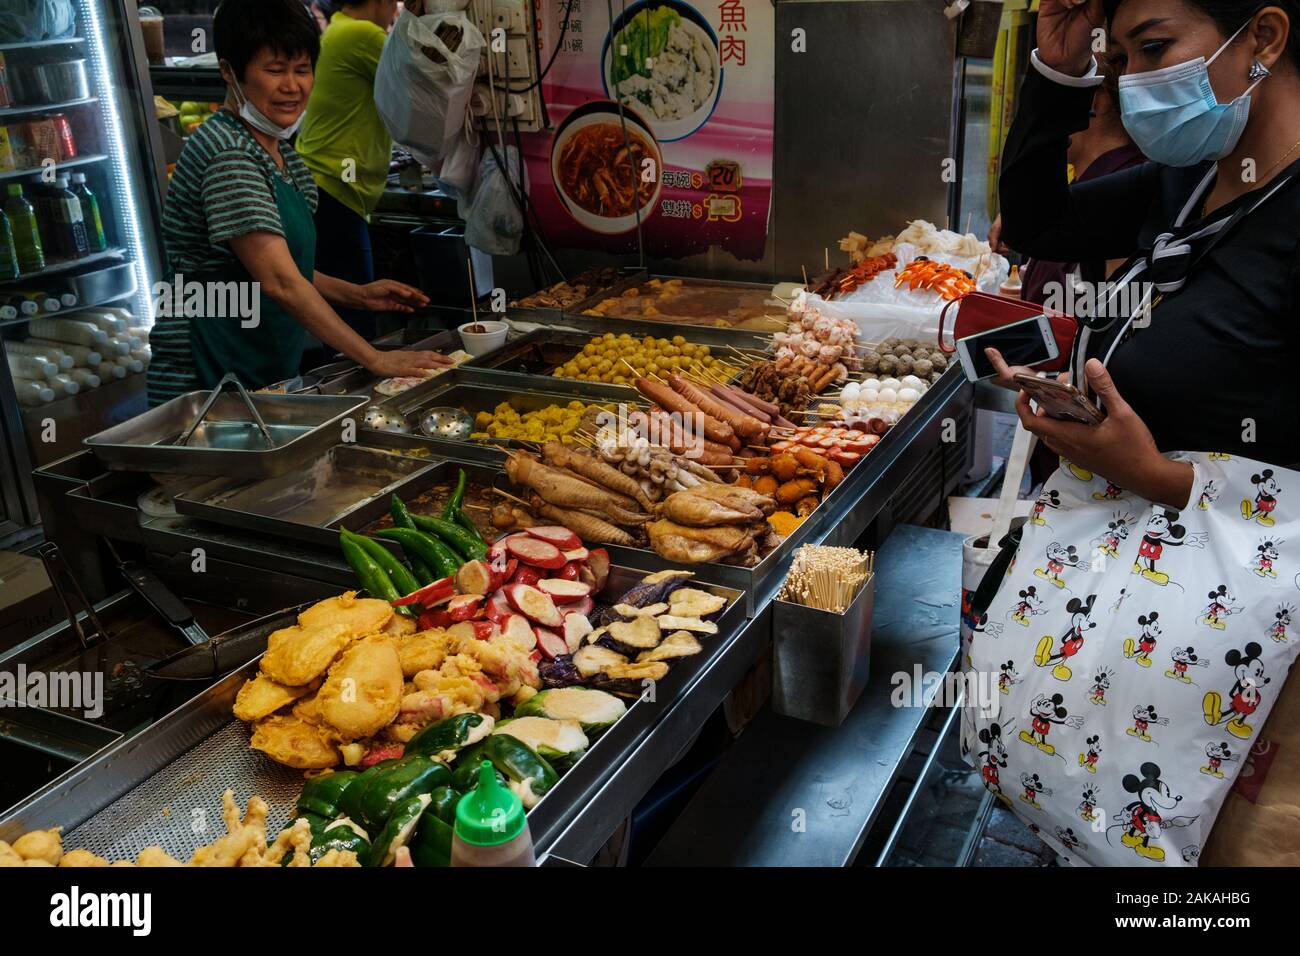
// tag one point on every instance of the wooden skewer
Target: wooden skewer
(473, 297)
(805, 277)
(508, 496)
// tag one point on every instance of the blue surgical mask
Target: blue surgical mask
(1174, 116)
(259, 120)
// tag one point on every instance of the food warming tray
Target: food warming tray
(226, 443)
(312, 502)
(144, 790)
(708, 297)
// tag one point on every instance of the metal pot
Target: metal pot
(48, 83)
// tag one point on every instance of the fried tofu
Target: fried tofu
(296, 656)
(261, 697)
(361, 616)
(363, 691)
(295, 743)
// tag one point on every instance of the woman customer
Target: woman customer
(238, 215)
(345, 145)
(1210, 92)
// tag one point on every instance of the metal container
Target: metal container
(820, 659)
(717, 297)
(102, 285)
(49, 83)
(109, 804)
(347, 487)
(226, 443)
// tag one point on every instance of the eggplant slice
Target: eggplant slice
(692, 602)
(675, 645)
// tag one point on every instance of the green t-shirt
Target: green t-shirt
(342, 122)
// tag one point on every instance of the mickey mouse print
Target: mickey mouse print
(1147, 645)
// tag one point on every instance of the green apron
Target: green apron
(270, 351)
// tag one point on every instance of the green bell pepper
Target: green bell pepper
(394, 785)
(431, 845)
(397, 832)
(320, 795)
(449, 734)
(519, 762)
(337, 835)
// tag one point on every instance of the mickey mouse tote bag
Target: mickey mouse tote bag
(1132, 654)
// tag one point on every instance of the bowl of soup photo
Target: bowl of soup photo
(606, 169)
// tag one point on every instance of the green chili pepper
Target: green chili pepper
(402, 578)
(423, 573)
(372, 577)
(457, 496)
(436, 554)
(460, 540)
(464, 521)
(401, 515)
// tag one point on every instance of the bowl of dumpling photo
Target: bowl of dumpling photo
(662, 57)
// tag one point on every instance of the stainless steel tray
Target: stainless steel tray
(877, 476)
(345, 487)
(225, 444)
(151, 789)
(639, 281)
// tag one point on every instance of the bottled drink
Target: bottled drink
(27, 234)
(8, 255)
(90, 213)
(69, 221)
(31, 393)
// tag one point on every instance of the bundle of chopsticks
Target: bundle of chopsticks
(827, 578)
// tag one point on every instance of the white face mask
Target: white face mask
(259, 120)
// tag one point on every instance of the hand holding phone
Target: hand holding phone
(1028, 342)
(1060, 399)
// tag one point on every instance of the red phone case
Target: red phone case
(979, 312)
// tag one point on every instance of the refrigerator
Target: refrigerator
(76, 99)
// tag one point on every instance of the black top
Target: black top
(1221, 352)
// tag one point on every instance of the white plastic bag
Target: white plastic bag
(493, 221)
(421, 102)
(27, 20)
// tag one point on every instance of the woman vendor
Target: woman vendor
(1203, 351)
(238, 216)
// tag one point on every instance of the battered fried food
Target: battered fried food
(244, 840)
(261, 697)
(44, 845)
(338, 857)
(298, 655)
(425, 651)
(363, 691)
(156, 856)
(8, 857)
(399, 625)
(295, 743)
(82, 858)
(361, 616)
(295, 840)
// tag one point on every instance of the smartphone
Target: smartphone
(1027, 342)
(1060, 399)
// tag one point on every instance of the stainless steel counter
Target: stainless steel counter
(258, 574)
(790, 793)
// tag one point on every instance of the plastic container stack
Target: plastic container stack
(76, 351)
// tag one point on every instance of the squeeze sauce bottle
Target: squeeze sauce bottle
(491, 827)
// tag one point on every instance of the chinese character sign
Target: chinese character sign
(688, 158)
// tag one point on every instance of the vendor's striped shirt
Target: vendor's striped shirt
(222, 187)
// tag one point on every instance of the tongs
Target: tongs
(230, 378)
(159, 597)
(90, 631)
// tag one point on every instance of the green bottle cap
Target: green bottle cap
(489, 815)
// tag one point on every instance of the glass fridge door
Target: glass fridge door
(80, 179)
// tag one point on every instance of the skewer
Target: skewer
(508, 496)
(469, 264)
(826, 255)
(806, 284)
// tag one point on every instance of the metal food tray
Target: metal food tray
(837, 510)
(640, 279)
(273, 505)
(309, 424)
(150, 789)
(345, 377)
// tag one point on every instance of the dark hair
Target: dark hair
(242, 28)
(1229, 15)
